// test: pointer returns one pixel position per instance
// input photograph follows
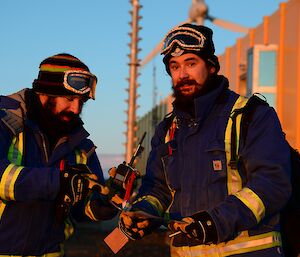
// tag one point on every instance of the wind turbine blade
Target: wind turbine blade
(229, 25)
(152, 54)
(157, 49)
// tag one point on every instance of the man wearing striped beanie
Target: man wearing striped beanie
(49, 170)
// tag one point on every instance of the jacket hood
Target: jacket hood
(20, 98)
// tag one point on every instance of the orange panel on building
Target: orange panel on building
(270, 54)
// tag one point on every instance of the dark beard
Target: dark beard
(51, 124)
(186, 103)
(62, 128)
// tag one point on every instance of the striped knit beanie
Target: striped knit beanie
(51, 74)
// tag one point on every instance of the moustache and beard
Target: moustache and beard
(51, 123)
(186, 102)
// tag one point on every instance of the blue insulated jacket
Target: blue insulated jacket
(28, 189)
(188, 180)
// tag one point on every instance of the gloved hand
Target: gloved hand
(121, 183)
(136, 224)
(74, 187)
(199, 226)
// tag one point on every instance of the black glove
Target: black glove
(199, 226)
(74, 187)
(121, 183)
(115, 181)
(135, 224)
(73, 183)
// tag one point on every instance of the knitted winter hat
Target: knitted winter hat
(51, 74)
(190, 38)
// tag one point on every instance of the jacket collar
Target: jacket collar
(68, 144)
(204, 103)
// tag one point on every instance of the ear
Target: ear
(212, 69)
(43, 98)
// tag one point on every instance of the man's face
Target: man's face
(189, 73)
(63, 108)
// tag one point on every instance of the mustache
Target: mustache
(185, 82)
(70, 115)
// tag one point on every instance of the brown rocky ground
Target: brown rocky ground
(88, 242)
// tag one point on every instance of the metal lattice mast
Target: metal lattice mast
(133, 74)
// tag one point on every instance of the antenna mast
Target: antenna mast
(133, 74)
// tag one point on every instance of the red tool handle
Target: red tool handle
(129, 186)
(62, 165)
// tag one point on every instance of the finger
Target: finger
(93, 176)
(92, 184)
(117, 199)
(135, 230)
(176, 226)
(127, 221)
(112, 172)
(171, 226)
(188, 220)
(143, 224)
(141, 233)
(92, 179)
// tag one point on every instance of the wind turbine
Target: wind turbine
(198, 13)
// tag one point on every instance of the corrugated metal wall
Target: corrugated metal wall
(281, 29)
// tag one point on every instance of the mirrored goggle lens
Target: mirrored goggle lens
(81, 82)
(185, 39)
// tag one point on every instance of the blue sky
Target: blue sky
(96, 31)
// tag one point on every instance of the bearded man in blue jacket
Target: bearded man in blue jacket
(48, 167)
(212, 207)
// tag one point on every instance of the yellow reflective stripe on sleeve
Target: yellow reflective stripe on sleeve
(69, 228)
(81, 157)
(253, 202)
(15, 151)
(8, 180)
(153, 201)
(233, 247)
(234, 181)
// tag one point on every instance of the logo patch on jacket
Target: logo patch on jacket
(217, 165)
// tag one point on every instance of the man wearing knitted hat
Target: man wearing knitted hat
(214, 203)
(49, 170)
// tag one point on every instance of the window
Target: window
(262, 72)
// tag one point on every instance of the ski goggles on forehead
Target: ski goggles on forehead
(186, 38)
(80, 82)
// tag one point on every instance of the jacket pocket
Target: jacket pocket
(216, 156)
